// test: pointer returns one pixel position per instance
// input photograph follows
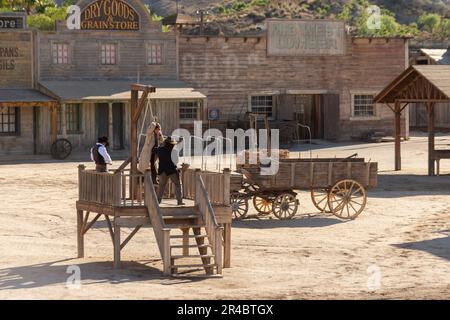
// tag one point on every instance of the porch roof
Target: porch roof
(117, 90)
(24, 98)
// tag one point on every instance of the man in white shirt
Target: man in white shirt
(100, 155)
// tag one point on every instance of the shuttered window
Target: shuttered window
(9, 120)
(108, 54)
(155, 53)
(72, 117)
(60, 53)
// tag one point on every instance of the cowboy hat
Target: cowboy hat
(169, 140)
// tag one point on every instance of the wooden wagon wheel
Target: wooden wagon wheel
(263, 204)
(239, 206)
(61, 149)
(319, 197)
(347, 199)
(285, 206)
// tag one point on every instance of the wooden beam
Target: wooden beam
(80, 235)
(431, 139)
(398, 157)
(141, 105)
(133, 131)
(54, 124)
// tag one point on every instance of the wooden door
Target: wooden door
(167, 114)
(118, 130)
(331, 108)
(102, 119)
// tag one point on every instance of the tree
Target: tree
(429, 22)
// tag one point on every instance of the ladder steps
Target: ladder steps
(183, 226)
(180, 217)
(192, 256)
(190, 246)
(189, 236)
(194, 266)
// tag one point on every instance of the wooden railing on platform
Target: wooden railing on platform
(117, 189)
(99, 188)
(162, 233)
(217, 185)
(213, 229)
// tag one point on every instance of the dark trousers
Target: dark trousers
(163, 179)
(153, 168)
(101, 168)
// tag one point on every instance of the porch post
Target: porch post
(54, 123)
(431, 139)
(398, 156)
(110, 124)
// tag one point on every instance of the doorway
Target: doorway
(114, 128)
(308, 111)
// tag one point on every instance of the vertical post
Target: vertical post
(227, 245)
(226, 186)
(185, 242)
(166, 257)
(80, 235)
(63, 120)
(133, 130)
(116, 245)
(54, 123)
(196, 188)
(431, 139)
(398, 157)
(110, 124)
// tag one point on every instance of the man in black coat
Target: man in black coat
(168, 170)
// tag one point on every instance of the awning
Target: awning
(113, 90)
(24, 98)
(440, 56)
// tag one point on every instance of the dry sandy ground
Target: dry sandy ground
(402, 240)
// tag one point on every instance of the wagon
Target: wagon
(337, 186)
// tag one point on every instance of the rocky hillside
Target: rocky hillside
(247, 16)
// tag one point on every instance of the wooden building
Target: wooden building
(327, 81)
(90, 71)
(298, 71)
(20, 102)
(418, 111)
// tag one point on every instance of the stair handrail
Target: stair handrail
(213, 229)
(162, 233)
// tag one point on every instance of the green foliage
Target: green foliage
(260, 3)
(239, 6)
(429, 22)
(41, 21)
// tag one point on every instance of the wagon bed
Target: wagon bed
(337, 185)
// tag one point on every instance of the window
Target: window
(262, 105)
(9, 120)
(189, 110)
(72, 117)
(363, 105)
(60, 53)
(155, 53)
(108, 54)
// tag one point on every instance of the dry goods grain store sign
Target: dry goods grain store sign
(109, 15)
(305, 37)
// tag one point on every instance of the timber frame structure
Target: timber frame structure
(428, 84)
(127, 199)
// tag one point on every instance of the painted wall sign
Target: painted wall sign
(305, 37)
(109, 15)
(7, 58)
(12, 22)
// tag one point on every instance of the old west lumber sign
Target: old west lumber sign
(109, 15)
(305, 37)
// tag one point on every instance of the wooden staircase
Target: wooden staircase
(190, 248)
(189, 238)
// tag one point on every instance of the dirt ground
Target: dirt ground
(399, 248)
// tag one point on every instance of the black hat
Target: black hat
(104, 140)
(169, 140)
